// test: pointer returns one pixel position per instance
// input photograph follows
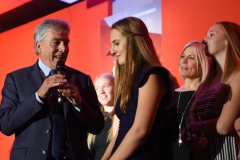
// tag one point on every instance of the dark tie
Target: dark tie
(58, 126)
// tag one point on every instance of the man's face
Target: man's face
(53, 48)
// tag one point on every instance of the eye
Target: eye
(211, 34)
(182, 56)
(106, 86)
(66, 42)
(116, 44)
(191, 58)
(56, 43)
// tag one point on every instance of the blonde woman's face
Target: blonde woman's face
(188, 63)
(105, 91)
(216, 41)
(119, 46)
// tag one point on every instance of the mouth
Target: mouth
(103, 97)
(60, 57)
(116, 56)
(184, 68)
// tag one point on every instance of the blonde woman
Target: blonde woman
(97, 144)
(193, 68)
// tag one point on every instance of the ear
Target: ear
(226, 42)
(39, 47)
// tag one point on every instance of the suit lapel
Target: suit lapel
(35, 76)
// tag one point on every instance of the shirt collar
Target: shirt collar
(45, 69)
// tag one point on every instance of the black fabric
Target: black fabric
(149, 150)
(174, 151)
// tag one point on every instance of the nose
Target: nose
(113, 52)
(204, 41)
(184, 60)
(100, 90)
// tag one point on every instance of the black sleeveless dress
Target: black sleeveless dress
(175, 151)
(149, 149)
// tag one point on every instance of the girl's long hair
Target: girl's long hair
(139, 55)
(232, 61)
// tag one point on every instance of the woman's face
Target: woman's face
(188, 63)
(216, 41)
(105, 91)
(119, 46)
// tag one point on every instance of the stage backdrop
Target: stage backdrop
(182, 21)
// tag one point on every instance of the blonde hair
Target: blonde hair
(139, 55)
(201, 58)
(91, 137)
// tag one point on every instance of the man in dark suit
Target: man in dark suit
(29, 106)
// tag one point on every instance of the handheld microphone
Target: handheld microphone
(60, 69)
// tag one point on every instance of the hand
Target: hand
(71, 93)
(199, 145)
(195, 127)
(50, 84)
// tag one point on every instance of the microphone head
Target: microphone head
(60, 68)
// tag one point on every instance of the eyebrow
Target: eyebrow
(60, 39)
(115, 40)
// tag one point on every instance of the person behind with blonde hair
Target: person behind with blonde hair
(143, 91)
(216, 104)
(193, 67)
(97, 144)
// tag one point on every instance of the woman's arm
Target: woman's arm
(237, 126)
(149, 98)
(231, 109)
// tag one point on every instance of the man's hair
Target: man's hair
(43, 27)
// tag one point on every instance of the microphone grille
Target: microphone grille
(60, 66)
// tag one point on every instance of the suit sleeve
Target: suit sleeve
(17, 112)
(90, 113)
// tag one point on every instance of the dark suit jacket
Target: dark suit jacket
(21, 114)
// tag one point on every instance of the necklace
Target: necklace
(180, 123)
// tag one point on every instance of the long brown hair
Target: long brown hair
(140, 54)
(232, 61)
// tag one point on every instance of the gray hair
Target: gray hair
(43, 27)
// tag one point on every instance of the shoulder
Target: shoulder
(154, 69)
(24, 70)
(75, 71)
(75, 75)
(158, 71)
(234, 80)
